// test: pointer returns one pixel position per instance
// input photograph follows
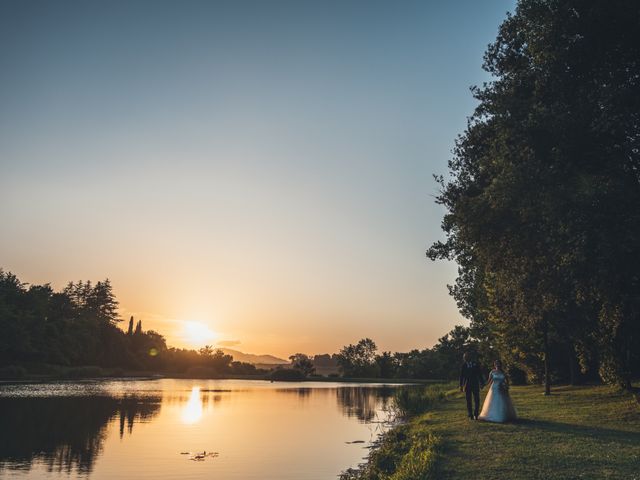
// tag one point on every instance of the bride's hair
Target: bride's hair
(498, 364)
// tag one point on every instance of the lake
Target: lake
(156, 428)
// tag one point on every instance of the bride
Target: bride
(498, 406)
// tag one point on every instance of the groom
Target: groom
(471, 381)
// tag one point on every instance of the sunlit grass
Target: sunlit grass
(420, 461)
(407, 452)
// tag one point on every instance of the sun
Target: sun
(197, 334)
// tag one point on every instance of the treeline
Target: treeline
(442, 361)
(363, 360)
(542, 203)
(41, 329)
(543, 194)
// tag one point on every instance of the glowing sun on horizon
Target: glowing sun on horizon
(197, 334)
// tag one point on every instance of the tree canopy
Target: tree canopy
(543, 194)
(42, 329)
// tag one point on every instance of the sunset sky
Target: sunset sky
(255, 174)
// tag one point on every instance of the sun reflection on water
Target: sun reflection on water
(192, 411)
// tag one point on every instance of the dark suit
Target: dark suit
(470, 381)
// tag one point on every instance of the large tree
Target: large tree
(302, 363)
(543, 201)
(358, 360)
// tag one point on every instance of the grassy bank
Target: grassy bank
(409, 451)
(590, 432)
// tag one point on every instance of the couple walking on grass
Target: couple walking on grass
(497, 406)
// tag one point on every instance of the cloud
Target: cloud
(228, 343)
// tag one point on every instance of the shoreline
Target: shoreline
(555, 437)
(146, 376)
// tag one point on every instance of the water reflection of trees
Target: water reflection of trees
(360, 402)
(140, 409)
(301, 392)
(64, 433)
(363, 402)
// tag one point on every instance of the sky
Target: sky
(250, 174)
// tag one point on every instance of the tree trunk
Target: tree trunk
(574, 374)
(547, 373)
(627, 366)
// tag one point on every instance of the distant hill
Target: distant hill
(254, 359)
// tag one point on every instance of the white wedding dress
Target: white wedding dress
(498, 406)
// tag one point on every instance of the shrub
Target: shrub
(88, 371)
(200, 372)
(516, 375)
(117, 372)
(12, 372)
(38, 368)
(287, 375)
(401, 454)
(413, 400)
(419, 461)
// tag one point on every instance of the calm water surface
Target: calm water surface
(139, 429)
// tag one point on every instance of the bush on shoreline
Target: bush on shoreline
(403, 453)
(408, 451)
(199, 371)
(411, 401)
(287, 375)
(12, 372)
(89, 371)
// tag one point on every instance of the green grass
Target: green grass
(590, 432)
(576, 433)
(407, 452)
(410, 401)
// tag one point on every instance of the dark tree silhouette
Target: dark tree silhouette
(302, 363)
(386, 365)
(543, 201)
(44, 331)
(358, 360)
